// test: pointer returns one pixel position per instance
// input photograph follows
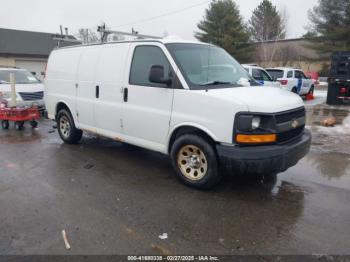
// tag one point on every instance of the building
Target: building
(292, 53)
(29, 50)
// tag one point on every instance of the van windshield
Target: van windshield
(207, 66)
(21, 76)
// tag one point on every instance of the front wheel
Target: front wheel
(66, 128)
(195, 162)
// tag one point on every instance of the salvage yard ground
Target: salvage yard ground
(112, 198)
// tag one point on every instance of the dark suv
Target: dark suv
(339, 79)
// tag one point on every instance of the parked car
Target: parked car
(293, 80)
(189, 100)
(339, 79)
(262, 76)
(29, 90)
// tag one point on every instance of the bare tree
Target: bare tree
(87, 36)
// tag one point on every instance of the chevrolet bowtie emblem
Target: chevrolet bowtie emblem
(295, 124)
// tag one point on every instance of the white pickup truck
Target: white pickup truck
(189, 100)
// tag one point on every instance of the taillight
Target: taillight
(283, 82)
(343, 90)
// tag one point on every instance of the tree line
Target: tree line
(223, 25)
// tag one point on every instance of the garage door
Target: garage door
(35, 67)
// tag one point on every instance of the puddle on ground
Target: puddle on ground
(316, 115)
(331, 169)
(13, 136)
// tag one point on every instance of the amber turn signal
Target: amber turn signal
(256, 139)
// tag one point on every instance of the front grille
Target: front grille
(289, 135)
(32, 96)
(290, 115)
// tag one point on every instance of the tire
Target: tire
(201, 170)
(66, 128)
(295, 90)
(19, 125)
(34, 124)
(5, 124)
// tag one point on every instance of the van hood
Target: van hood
(260, 99)
(27, 88)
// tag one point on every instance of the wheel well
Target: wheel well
(61, 106)
(186, 130)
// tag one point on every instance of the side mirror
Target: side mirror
(156, 75)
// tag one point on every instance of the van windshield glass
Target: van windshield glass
(21, 76)
(207, 66)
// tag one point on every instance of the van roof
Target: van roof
(166, 40)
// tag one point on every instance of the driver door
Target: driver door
(147, 106)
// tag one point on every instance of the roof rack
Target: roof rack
(105, 33)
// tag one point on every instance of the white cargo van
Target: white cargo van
(189, 100)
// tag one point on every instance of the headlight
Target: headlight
(5, 95)
(254, 129)
(256, 122)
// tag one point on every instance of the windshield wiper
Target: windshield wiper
(216, 83)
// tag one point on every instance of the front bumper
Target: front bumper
(264, 159)
(39, 103)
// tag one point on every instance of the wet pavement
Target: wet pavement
(118, 199)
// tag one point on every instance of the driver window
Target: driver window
(144, 58)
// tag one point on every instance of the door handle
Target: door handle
(126, 93)
(97, 92)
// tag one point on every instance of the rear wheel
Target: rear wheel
(195, 162)
(5, 124)
(294, 90)
(66, 128)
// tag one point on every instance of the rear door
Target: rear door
(147, 106)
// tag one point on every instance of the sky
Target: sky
(47, 15)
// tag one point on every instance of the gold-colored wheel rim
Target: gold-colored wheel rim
(192, 162)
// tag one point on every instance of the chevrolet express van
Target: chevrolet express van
(189, 100)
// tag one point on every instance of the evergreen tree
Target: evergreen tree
(330, 23)
(266, 23)
(223, 25)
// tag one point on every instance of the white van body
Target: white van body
(29, 90)
(262, 76)
(96, 85)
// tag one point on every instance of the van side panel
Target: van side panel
(110, 78)
(61, 79)
(86, 91)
